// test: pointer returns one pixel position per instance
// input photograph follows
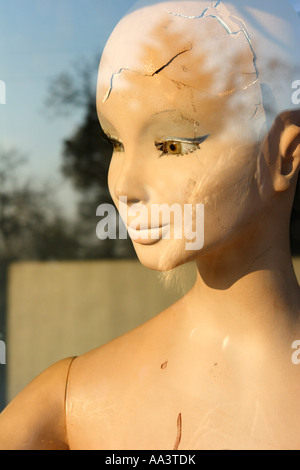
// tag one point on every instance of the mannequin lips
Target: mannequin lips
(146, 235)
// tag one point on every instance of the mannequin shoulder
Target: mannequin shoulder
(35, 419)
(106, 383)
(119, 360)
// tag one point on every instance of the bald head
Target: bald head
(245, 52)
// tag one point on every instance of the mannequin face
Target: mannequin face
(186, 128)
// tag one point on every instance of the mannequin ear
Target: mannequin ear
(289, 158)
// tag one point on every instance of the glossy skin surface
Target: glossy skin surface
(214, 371)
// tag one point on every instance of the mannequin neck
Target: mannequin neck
(249, 286)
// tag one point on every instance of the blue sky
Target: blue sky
(38, 40)
(296, 4)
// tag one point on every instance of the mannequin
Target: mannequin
(215, 370)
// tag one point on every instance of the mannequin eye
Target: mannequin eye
(117, 145)
(179, 146)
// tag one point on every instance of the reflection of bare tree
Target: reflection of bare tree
(86, 156)
(31, 227)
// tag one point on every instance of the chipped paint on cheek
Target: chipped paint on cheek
(190, 190)
(196, 192)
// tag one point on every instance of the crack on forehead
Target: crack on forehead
(159, 70)
(210, 93)
(231, 30)
(234, 27)
(197, 17)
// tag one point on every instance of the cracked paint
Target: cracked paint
(194, 17)
(112, 82)
(230, 31)
(144, 74)
(179, 432)
(170, 61)
(247, 36)
(256, 110)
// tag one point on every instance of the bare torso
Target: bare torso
(167, 386)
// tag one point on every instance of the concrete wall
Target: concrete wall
(56, 310)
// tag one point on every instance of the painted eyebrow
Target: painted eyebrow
(159, 113)
(196, 140)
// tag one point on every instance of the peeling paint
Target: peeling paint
(179, 432)
(230, 31)
(194, 17)
(247, 36)
(112, 82)
(188, 17)
(242, 30)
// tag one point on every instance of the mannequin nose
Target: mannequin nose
(130, 185)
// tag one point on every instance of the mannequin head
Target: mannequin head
(196, 96)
